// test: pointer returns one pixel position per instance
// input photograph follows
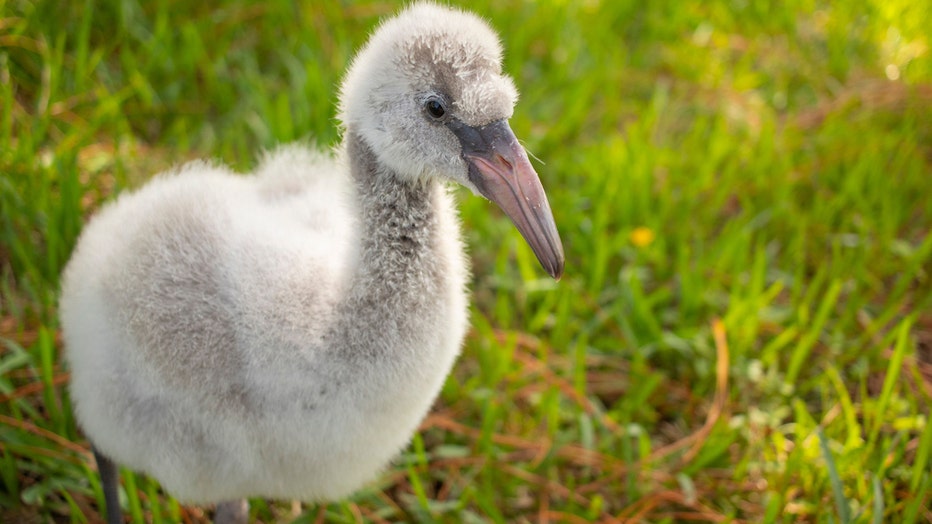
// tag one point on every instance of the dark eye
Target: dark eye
(435, 108)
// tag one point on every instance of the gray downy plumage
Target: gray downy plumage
(283, 334)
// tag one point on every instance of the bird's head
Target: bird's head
(428, 96)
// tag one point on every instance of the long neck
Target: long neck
(398, 222)
(399, 277)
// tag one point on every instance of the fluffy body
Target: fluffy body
(217, 336)
(282, 334)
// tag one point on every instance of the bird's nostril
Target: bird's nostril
(504, 161)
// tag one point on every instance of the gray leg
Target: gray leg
(232, 512)
(109, 481)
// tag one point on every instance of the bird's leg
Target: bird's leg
(109, 481)
(232, 512)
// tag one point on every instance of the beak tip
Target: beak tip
(556, 269)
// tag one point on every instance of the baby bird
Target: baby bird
(283, 334)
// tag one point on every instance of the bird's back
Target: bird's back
(183, 265)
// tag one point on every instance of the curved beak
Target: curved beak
(500, 170)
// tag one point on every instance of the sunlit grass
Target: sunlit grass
(744, 329)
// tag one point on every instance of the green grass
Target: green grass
(744, 189)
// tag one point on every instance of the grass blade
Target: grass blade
(838, 490)
(878, 501)
(892, 377)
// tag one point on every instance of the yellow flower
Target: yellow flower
(642, 236)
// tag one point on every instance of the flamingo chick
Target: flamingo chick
(282, 335)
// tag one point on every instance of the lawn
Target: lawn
(744, 190)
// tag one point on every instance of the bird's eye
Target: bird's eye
(435, 108)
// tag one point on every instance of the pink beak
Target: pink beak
(500, 170)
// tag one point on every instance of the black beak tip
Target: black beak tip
(557, 272)
(555, 267)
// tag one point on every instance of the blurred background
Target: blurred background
(743, 187)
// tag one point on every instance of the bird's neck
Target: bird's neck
(398, 222)
(401, 320)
